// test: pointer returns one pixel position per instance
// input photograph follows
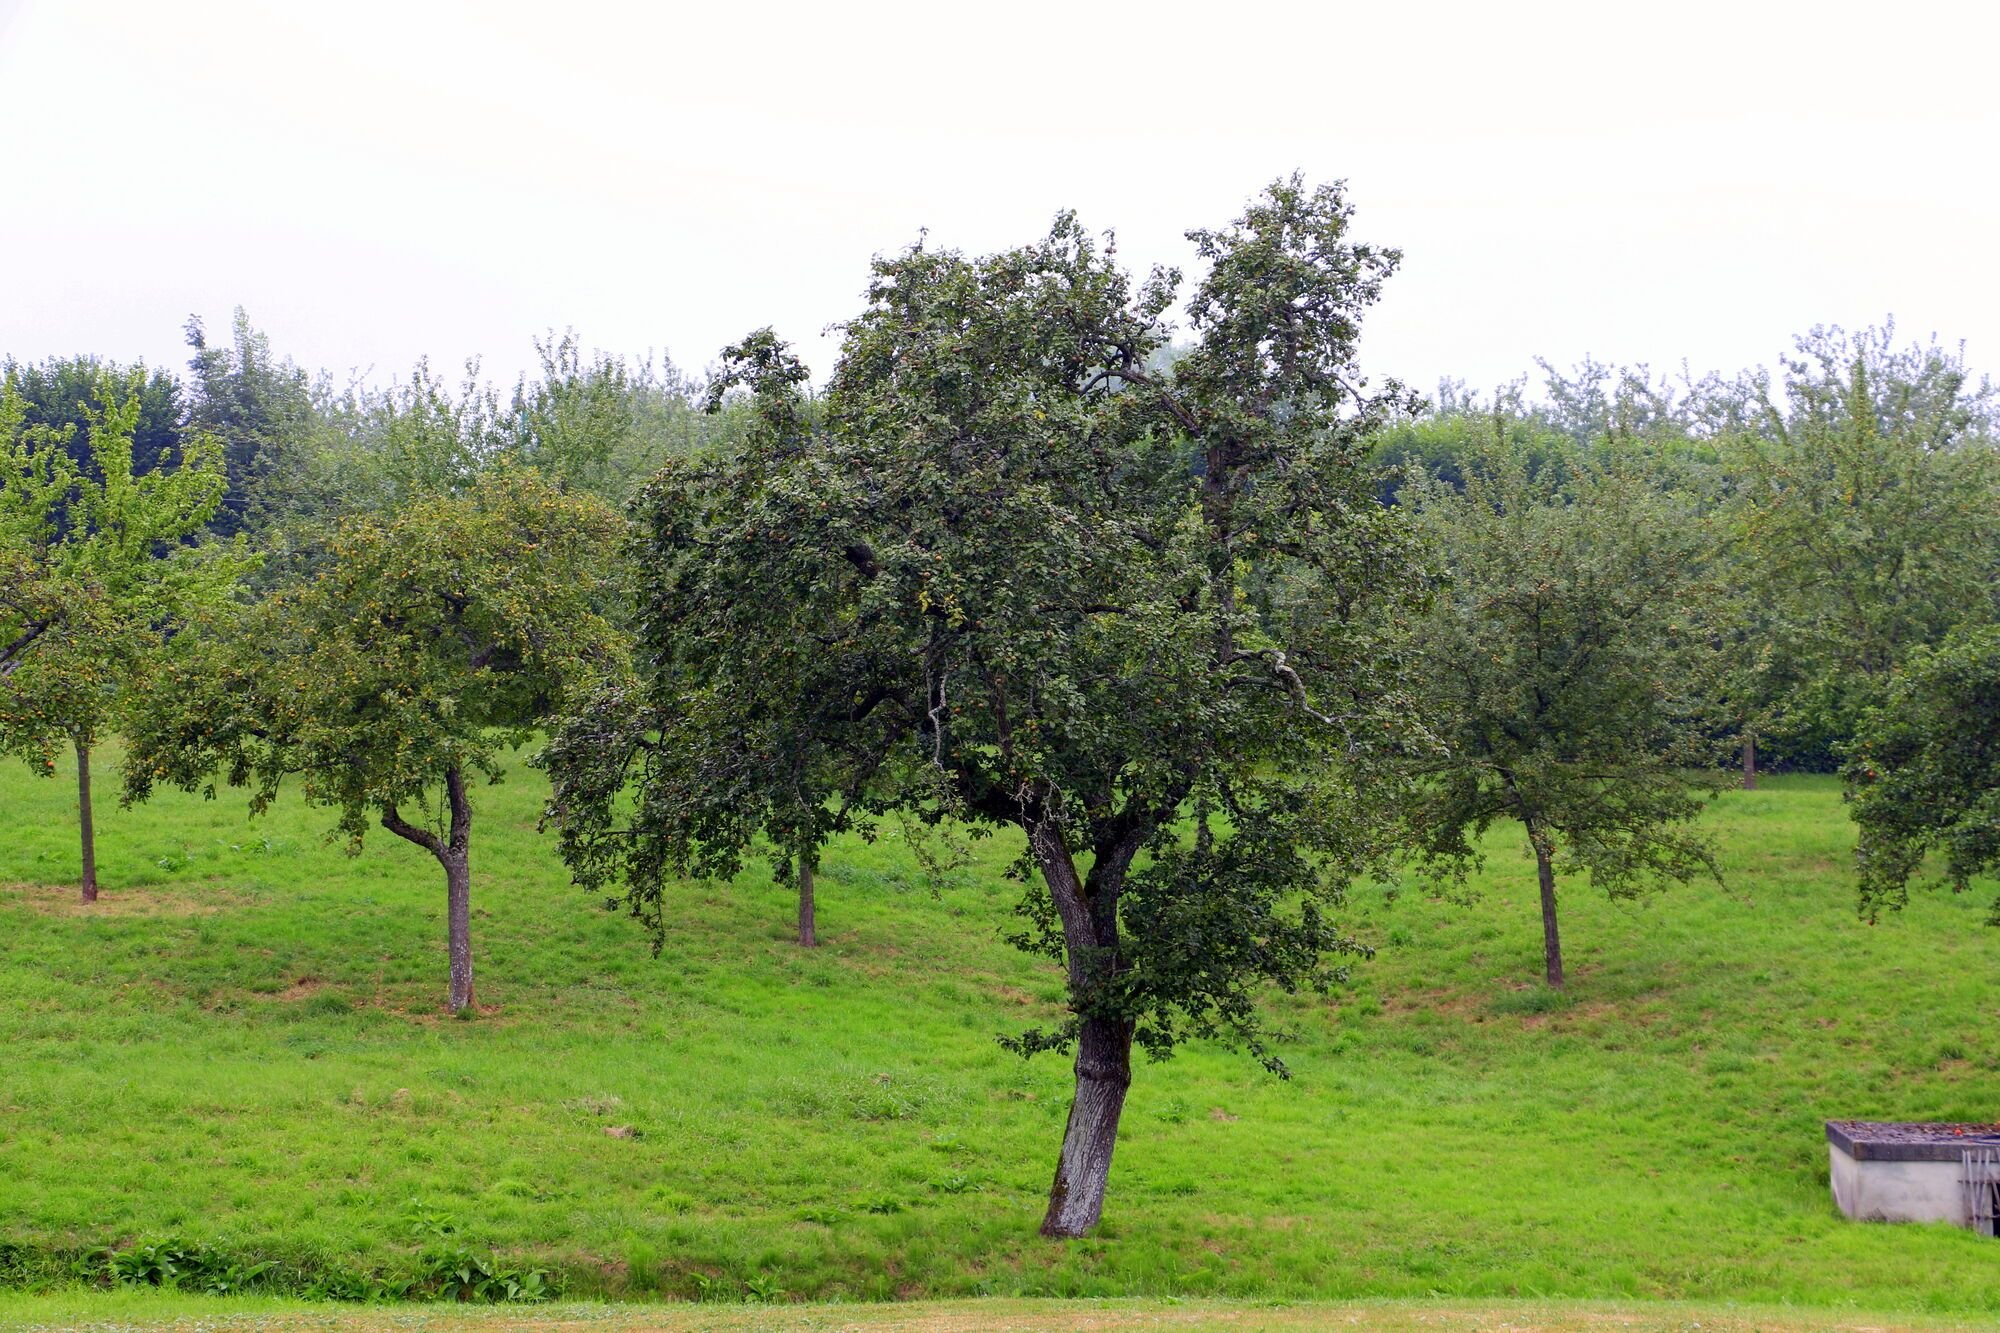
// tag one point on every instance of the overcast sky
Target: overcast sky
(375, 182)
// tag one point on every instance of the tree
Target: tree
(1924, 772)
(762, 742)
(1020, 576)
(575, 424)
(430, 642)
(95, 573)
(1566, 675)
(1865, 493)
(59, 394)
(260, 407)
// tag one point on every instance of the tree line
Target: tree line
(1142, 568)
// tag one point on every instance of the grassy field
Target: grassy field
(242, 1046)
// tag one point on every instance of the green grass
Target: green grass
(126, 1311)
(242, 1046)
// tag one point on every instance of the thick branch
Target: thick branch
(461, 809)
(10, 656)
(392, 819)
(1066, 890)
(862, 558)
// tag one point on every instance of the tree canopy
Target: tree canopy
(1924, 774)
(1017, 574)
(1862, 483)
(1566, 674)
(428, 646)
(96, 571)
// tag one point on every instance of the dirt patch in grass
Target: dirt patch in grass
(1471, 1006)
(64, 900)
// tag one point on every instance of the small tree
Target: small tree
(1024, 577)
(430, 643)
(760, 736)
(1924, 772)
(95, 573)
(1567, 676)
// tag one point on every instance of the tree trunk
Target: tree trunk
(1749, 762)
(458, 928)
(453, 852)
(1552, 950)
(808, 933)
(84, 820)
(1089, 913)
(1103, 1073)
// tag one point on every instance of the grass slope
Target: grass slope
(242, 1045)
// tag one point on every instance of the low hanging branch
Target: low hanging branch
(375, 692)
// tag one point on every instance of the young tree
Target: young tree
(1924, 772)
(760, 735)
(575, 423)
(1023, 576)
(430, 643)
(95, 574)
(1567, 676)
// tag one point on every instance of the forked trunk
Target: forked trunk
(1552, 950)
(1749, 763)
(458, 928)
(453, 852)
(1103, 1074)
(808, 933)
(84, 821)
(1089, 912)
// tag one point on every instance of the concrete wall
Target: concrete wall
(1872, 1191)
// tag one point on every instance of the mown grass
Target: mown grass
(130, 1311)
(242, 1046)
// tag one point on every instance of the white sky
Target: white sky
(1641, 182)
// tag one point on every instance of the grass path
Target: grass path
(134, 1312)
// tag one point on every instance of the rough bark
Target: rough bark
(453, 852)
(458, 929)
(1089, 914)
(84, 821)
(1103, 1074)
(1552, 952)
(808, 931)
(1749, 763)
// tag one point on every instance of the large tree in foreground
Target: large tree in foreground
(1021, 577)
(1923, 774)
(96, 572)
(1567, 674)
(429, 644)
